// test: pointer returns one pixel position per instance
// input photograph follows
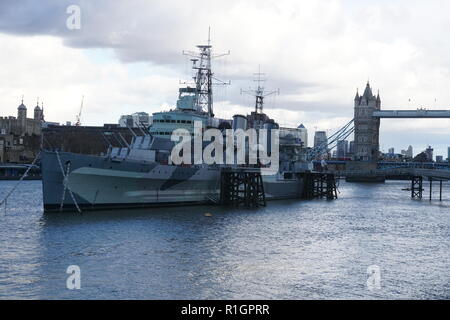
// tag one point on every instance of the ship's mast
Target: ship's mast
(201, 62)
(259, 93)
(203, 80)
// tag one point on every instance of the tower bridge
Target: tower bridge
(367, 115)
(366, 128)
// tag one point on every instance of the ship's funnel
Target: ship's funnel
(239, 122)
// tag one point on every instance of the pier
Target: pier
(318, 185)
(242, 186)
(417, 187)
(431, 175)
(245, 187)
(415, 175)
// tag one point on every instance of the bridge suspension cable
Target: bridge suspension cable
(331, 142)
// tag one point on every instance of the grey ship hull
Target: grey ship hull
(102, 183)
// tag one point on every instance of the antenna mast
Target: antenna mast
(203, 79)
(259, 92)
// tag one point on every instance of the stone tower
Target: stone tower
(38, 113)
(366, 127)
(22, 117)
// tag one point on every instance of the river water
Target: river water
(288, 250)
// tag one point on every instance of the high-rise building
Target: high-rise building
(351, 147)
(409, 152)
(448, 154)
(321, 141)
(391, 151)
(303, 135)
(342, 149)
(320, 138)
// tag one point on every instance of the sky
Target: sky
(127, 57)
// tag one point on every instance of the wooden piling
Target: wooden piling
(242, 187)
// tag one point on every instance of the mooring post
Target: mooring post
(440, 190)
(416, 187)
(431, 187)
(420, 187)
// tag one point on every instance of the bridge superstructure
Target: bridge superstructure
(410, 114)
(436, 174)
(367, 115)
(366, 128)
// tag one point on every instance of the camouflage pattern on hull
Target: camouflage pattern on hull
(100, 183)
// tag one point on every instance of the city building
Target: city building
(20, 137)
(303, 135)
(321, 140)
(392, 156)
(23, 126)
(133, 120)
(439, 158)
(73, 138)
(351, 148)
(448, 154)
(342, 149)
(408, 153)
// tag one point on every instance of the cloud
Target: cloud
(43, 67)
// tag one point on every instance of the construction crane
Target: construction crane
(78, 123)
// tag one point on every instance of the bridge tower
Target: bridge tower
(367, 127)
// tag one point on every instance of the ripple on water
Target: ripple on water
(287, 250)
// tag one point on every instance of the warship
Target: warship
(141, 174)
